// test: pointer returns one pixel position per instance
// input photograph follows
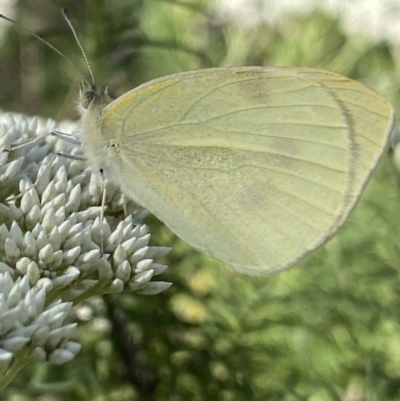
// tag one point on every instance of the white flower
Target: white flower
(30, 330)
(54, 230)
(51, 242)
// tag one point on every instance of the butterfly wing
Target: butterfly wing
(254, 166)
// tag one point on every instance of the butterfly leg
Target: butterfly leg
(61, 135)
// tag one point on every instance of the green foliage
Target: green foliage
(313, 333)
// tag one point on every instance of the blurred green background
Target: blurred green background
(326, 330)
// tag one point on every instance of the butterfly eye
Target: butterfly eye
(87, 93)
(86, 99)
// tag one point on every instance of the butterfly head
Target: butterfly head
(92, 97)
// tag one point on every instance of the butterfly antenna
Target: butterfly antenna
(20, 26)
(65, 15)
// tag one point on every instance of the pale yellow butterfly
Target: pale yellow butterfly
(254, 166)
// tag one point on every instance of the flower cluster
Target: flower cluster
(55, 249)
(31, 331)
